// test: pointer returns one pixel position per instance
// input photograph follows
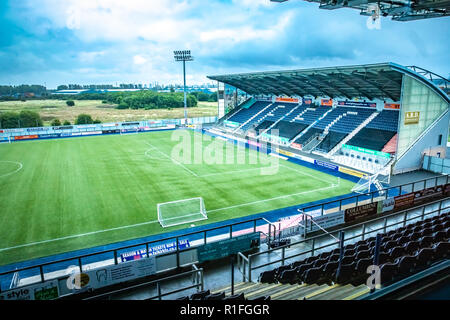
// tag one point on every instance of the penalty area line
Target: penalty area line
(275, 198)
(79, 235)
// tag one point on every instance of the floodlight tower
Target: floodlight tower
(184, 55)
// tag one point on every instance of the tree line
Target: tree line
(21, 89)
(145, 99)
(31, 119)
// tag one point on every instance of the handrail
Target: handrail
(319, 226)
(145, 243)
(355, 226)
(198, 272)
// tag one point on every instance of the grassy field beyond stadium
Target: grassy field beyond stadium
(67, 194)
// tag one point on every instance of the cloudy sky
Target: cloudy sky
(56, 42)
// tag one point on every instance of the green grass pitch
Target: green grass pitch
(67, 194)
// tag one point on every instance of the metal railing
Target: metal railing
(197, 283)
(247, 264)
(115, 253)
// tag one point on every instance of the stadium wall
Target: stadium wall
(428, 144)
(24, 134)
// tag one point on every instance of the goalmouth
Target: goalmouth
(179, 212)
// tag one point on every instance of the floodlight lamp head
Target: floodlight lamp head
(183, 55)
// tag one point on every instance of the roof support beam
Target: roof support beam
(313, 83)
(366, 80)
(293, 90)
(350, 84)
(326, 79)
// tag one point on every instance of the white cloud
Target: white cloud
(138, 59)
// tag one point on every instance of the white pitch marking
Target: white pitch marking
(307, 174)
(156, 221)
(80, 235)
(275, 198)
(15, 171)
(170, 158)
(228, 172)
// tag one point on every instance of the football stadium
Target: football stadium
(319, 183)
(311, 177)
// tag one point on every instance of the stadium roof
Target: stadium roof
(399, 10)
(382, 81)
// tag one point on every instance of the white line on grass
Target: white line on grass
(307, 174)
(156, 221)
(15, 171)
(275, 198)
(80, 235)
(175, 161)
(228, 172)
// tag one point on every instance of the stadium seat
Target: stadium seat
(441, 250)
(415, 236)
(267, 276)
(319, 263)
(426, 242)
(426, 232)
(288, 276)
(329, 270)
(348, 259)
(200, 295)
(334, 258)
(383, 258)
(396, 253)
(215, 296)
(185, 298)
(439, 236)
(362, 264)
(349, 252)
(311, 259)
(239, 296)
(406, 264)
(389, 245)
(297, 264)
(279, 270)
(412, 247)
(363, 254)
(346, 273)
(325, 255)
(388, 271)
(424, 257)
(402, 240)
(312, 275)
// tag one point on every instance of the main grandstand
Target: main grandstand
(380, 118)
(350, 194)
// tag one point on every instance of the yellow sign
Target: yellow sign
(412, 117)
(286, 153)
(351, 172)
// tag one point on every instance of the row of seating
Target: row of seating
(206, 295)
(346, 119)
(369, 138)
(407, 248)
(330, 141)
(245, 114)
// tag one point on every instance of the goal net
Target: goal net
(369, 183)
(179, 212)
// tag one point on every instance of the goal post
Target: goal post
(179, 212)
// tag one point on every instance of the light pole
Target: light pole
(184, 55)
